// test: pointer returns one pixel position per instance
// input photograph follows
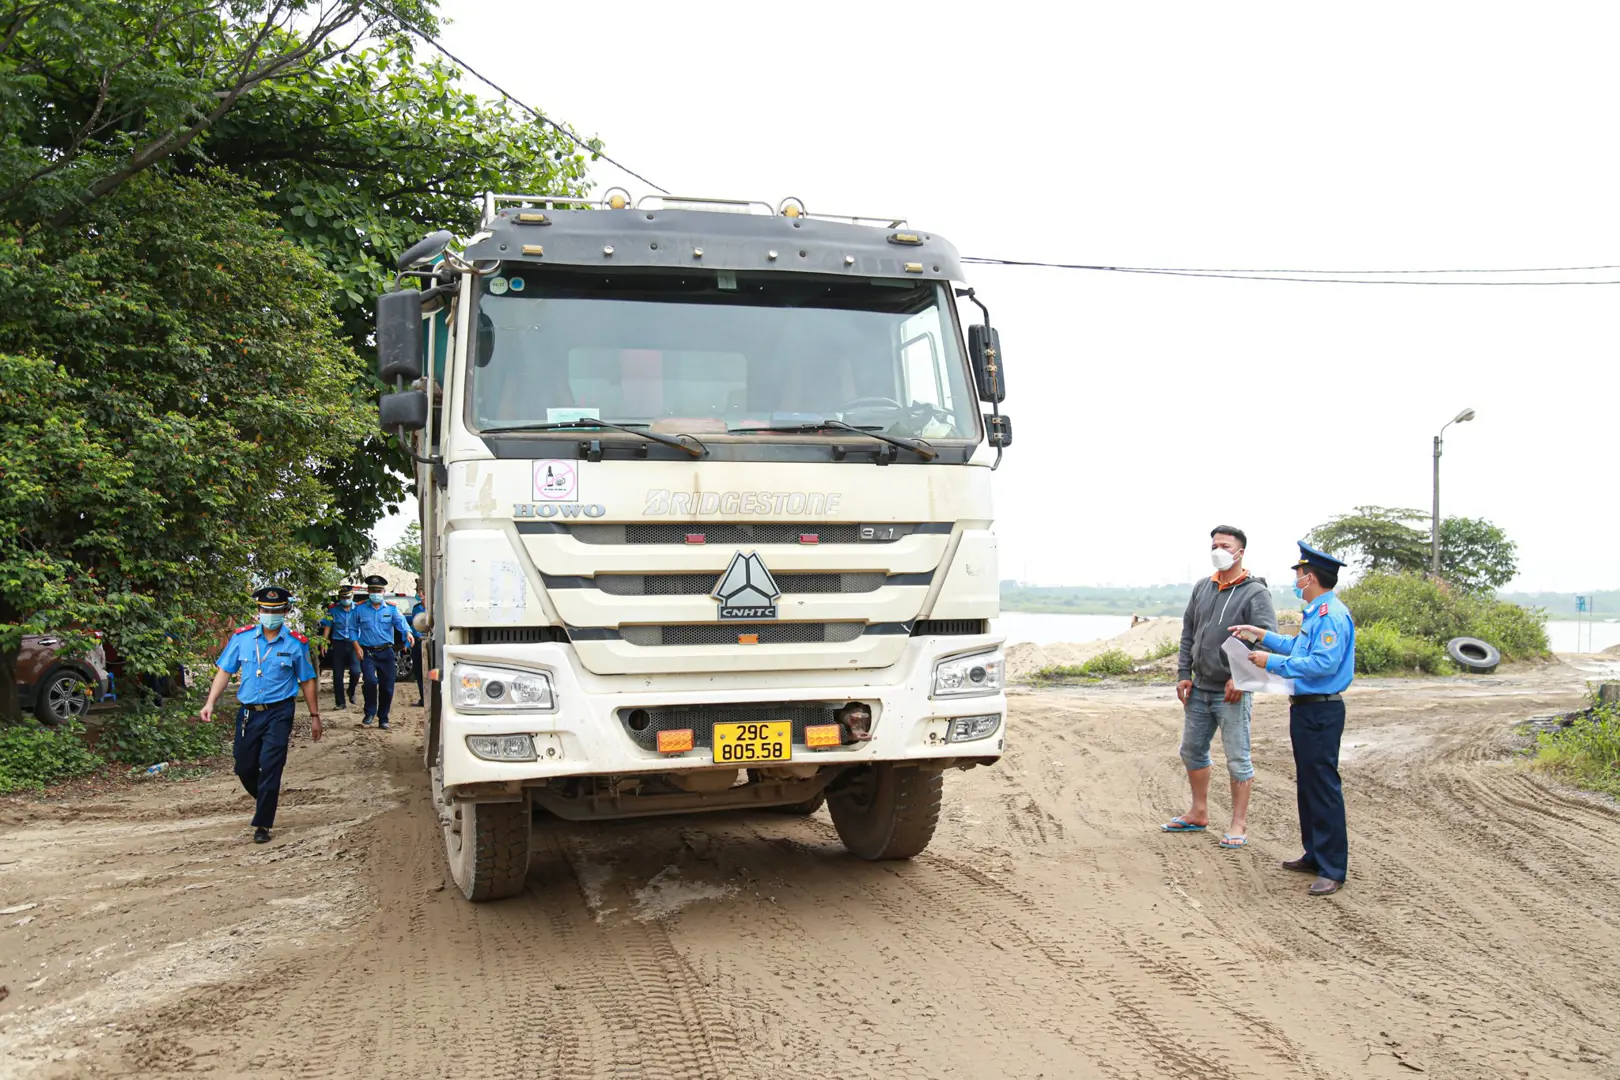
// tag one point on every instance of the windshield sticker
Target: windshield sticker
(731, 503)
(497, 285)
(556, 481)
(565, 414)
(515, 283)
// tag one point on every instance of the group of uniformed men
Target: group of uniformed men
(275, 666)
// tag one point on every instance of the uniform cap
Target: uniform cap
(1318, 560)
(272, 598)
(376, 582)
(345, 590)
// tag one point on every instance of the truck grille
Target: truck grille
(773, 633)
(643, 725)
(703, 584)
(514, 635)
(714, 533)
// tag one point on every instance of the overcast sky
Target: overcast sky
(1147, 409)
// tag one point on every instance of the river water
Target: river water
(1051, 629)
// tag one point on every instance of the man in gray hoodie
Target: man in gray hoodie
(1230, 597)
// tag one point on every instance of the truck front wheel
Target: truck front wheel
(888, 811)
(488, 848)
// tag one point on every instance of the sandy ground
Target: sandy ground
(1050, 931)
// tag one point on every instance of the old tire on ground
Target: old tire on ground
(62, 697)
(888, 811)
(488, 848)
(1473, 655)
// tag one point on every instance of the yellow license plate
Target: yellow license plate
(753, 744)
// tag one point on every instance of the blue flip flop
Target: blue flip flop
(1178, 824)
(1232, 843)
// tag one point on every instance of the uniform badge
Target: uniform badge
(1322, 610)
(1328, 639)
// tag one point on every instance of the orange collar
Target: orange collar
(1240, 579)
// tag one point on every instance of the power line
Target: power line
(525, 106)
(1293, 275)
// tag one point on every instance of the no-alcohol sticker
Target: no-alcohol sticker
(556, 481)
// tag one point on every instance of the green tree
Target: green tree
(1375, 539)
(1475, 555)
(406, 552)
(168, 375)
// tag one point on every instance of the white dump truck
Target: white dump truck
(705, 498)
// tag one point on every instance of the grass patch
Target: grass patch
(1423, 610)
(1587, 753)
(32, 756)
(1168, 647)
(1104, 664)
(146, 736)
(1383, 650)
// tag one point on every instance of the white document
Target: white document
(1247, 677)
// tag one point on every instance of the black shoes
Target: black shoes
(261, 835)
(1324, 886)
(1301, 865)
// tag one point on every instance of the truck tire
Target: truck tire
(1473, 655)
(888, 811)
(488, 848)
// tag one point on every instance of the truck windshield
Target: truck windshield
(716, 351)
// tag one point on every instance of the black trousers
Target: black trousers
(1316, 727)
(416, 665)
(378, 669)
(345, 659)
(260, 750)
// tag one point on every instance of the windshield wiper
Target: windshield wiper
(917, 446)
(698, 450)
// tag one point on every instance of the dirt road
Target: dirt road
(1050, 930)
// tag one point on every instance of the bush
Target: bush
(145, 736)
(1587, 752)
(32, 757)
(1381, 649)
(1111, 662)
(1419, 607)
(1168, 647)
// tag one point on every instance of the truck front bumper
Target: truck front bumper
(585, 735)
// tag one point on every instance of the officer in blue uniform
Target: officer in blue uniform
(274, 662)
(416, 646)
(375, 624)
(338, 628)
(1322, 661)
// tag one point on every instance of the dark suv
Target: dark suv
(57, 686)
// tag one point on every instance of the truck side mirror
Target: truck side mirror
(406, 410)
(429, 247)
(399, 335)
(984, 353)
(998, 430)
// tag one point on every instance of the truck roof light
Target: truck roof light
(907, 238)
(791, 207)
(913, 268)
(533, 249)
(531, 217)
(616, 198)
(676, 742)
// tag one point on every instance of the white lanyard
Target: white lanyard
(258, 661)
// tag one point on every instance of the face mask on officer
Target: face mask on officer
(376, 599)
(1299, 586)
(271, 622)
(347, 603)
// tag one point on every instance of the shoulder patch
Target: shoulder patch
(1323, 610)
(245, 629)
(1329, 638)
(299, 636)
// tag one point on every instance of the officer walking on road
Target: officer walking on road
(1322, 663)
(376, 623)
(275, 666)
(338, 629)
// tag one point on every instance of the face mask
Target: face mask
(271, 622)
(347, 604)
(1222, 559)
(376, 599)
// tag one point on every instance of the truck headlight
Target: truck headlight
(502, 747)
(967, 676)
(476, 687)
(969, 728)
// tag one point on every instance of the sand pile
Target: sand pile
(1025, 658)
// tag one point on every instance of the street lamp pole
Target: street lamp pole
(1439, 443)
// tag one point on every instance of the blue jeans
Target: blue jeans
(1207, 710)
